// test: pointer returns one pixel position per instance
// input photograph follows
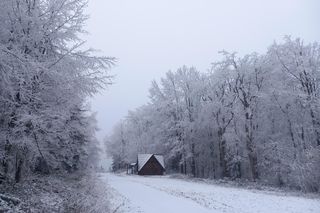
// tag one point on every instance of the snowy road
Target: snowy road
(166, 195)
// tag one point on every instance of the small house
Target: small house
(150, 164)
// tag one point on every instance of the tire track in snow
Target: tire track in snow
(140, 197)
(199, 198)
(189, 197)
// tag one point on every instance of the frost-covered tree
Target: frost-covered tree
(253, 117)
(46, 76)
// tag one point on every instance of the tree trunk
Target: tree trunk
(252, 155)
(316, 126)
(17, 175)
(222, 153)
(193, 163)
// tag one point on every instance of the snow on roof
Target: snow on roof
(160, 159)
(143, 159)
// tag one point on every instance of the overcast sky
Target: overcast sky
(150, 37)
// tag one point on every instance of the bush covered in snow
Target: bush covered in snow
(56, 193)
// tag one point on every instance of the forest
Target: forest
(251, 118)
(254, 117)
(46, 77)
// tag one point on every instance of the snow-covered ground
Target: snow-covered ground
(164, 195)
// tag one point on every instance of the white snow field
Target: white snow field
(160, 194)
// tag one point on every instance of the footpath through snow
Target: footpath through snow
(164, 195)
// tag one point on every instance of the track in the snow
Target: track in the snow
(162, 195)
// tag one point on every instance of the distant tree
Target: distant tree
(252, 117)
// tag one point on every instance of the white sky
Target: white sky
(150, 37)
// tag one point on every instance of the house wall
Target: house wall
(152, 167)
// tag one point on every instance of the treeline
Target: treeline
(45, 78)
(254, 117)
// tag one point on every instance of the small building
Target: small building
(132, 168)
(150, 164)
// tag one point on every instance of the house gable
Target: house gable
(151, 166)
